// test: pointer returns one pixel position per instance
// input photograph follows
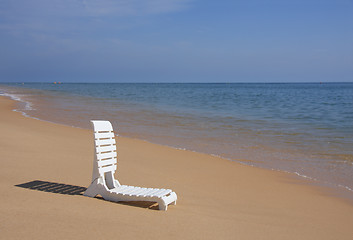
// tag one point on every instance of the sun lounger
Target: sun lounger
(104, 167)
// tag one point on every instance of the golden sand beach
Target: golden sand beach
(217, 198)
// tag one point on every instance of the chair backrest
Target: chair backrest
(105, 162)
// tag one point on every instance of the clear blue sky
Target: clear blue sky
(176, 40)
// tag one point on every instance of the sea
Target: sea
(302, 128)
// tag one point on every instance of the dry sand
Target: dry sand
(217, 199)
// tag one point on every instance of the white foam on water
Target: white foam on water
(28, 106)
(19, 98)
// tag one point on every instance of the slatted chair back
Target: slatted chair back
(105, 161)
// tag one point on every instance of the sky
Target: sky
(176, 41)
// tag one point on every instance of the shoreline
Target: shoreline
(340, 190)
(217, 198)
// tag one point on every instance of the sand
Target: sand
(217, 198)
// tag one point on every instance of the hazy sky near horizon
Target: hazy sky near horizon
(176, 40)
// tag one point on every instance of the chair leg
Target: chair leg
(163, 207)
(92, 190)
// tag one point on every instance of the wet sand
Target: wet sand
(45, 167)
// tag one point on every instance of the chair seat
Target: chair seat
(141, 192)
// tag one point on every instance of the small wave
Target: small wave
(28, 105)
(348, 188)
(304, 176)
(321, 181)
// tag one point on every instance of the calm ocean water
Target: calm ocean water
(303, 128)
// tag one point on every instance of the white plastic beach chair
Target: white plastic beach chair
(104, 166)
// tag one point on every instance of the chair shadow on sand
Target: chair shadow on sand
(66, 189)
